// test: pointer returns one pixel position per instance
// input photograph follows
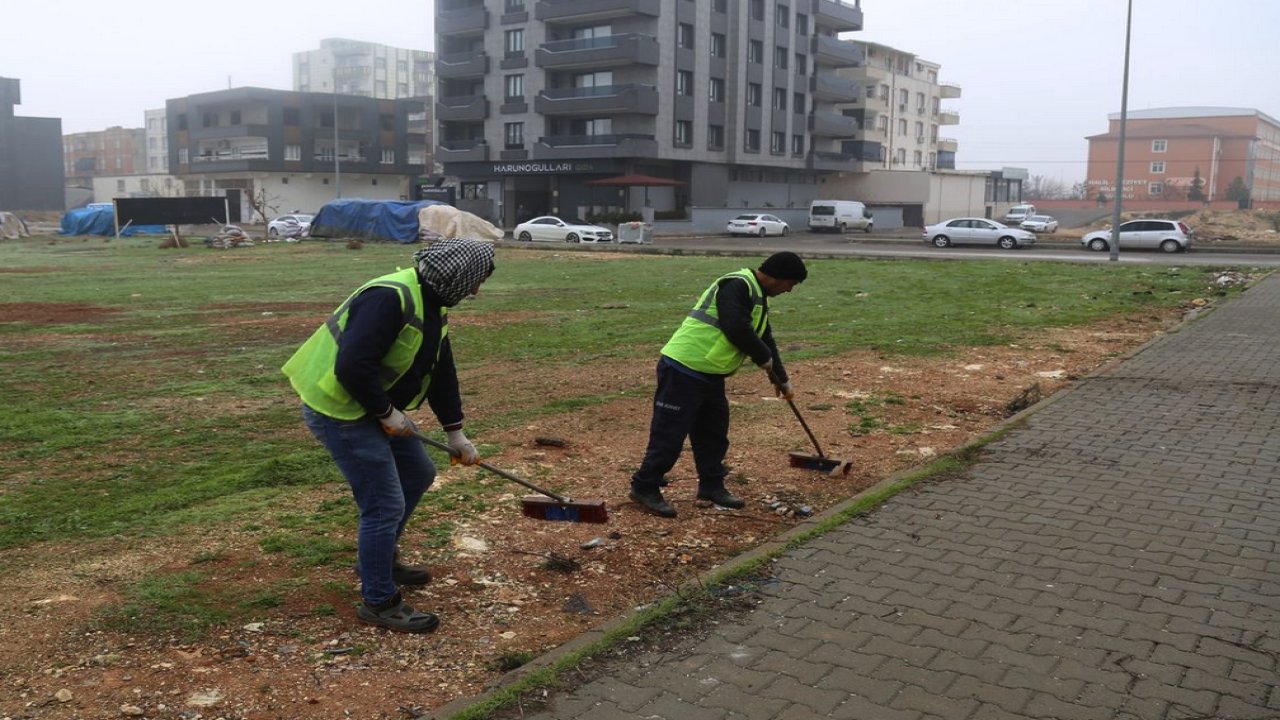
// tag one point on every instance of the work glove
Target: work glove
(396, 423)
(462, 451)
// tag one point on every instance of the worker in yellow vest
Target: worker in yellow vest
(383, 352)
(728, 324)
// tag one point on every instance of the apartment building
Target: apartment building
(156, 126)
(365, 69)
(31, 167)
(900, 109)
(297, 150)
(1166, 147)
(738, 100)
(114, 151)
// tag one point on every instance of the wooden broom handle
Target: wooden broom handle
(496, 471)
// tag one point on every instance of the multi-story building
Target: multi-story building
(157, 134)
(114, 151)
(366, 69)
(738, 100)
(31, 169)
(899, 109)
(295, 151)
(1165, 148)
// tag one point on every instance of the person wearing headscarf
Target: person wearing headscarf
(382, 353)
(728, 324)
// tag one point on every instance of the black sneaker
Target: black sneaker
(409, 575)
(651, 499)
(395, 614)
(723, 498)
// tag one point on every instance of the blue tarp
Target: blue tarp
(382, 219)
(101, 220)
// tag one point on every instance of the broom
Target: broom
(550, 507)
(820, 462)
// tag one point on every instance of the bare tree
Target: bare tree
(1039, 187)
(264, 205)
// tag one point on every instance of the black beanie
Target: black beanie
(784, 266)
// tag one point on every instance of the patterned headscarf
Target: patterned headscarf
(453, 268)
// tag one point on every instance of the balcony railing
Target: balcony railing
(462, 21)
(462, 107)
(608, 51)
(462, 150)
(579, 12)
(462, 65)
(834, 52)
(837, 15)
(604, 99)
(949, 90)
(583, 146)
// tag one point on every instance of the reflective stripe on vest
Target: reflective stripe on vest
(700, 344)
(311, 369)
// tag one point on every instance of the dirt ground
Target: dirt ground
(494, 587)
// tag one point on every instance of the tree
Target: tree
(1079, 191)
(1174, 190)
(264, 204)
(1239, 192)
(1196, 191)
(1039, 187)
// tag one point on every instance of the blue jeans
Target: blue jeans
(690, 407)
(387, 475)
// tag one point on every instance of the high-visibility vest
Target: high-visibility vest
(311, 369)
(700, 344)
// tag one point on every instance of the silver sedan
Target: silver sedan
(977, 231)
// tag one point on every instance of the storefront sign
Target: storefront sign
(543, 167)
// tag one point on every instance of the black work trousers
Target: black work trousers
(692, 407)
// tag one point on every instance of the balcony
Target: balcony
(603, 52)
(569, 147)
(462, 151)
(834, 52)
(579, 12)
(458, 66)
(464, 21)
(948, 117)
(949, 90)
(462, 107)
(603, 100)
(837, 16)
(831, 124)
(829, 87)
(948, 144)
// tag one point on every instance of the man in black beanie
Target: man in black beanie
(728, 324)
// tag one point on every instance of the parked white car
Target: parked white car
(756, 224)
(549, 228)
(294, 225)
(977, 231)
(1168, 235)
(1040, 224)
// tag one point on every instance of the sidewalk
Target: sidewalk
(1114, 556)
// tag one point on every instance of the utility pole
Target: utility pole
(1118, 194)
(337, 169)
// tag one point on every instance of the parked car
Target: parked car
(1018, 213)
(977, 231)
(839, 216)
(549, 228)
(293, 225)
(1169, 235)
(756, 224)
(1040, 224)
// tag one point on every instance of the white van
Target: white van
(839, 216)
(1018, 213)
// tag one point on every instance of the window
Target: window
(119, 186)
(514, 87)
(209, 119)
(802, 64)
(515, 6)
(719, 6)
(717, 44)
(715, 137)
(684, 35)
(292, 116)
(920, 101)
(386, 121)
(182, 156)
(235, 117)
(917, 157)
(1159, 146)
(684, 83)
(903, 97)
(292, 152)
(884, 92)
(778, 143)
(388, 157)
(1157, 167)
(902, 126)
(757, 9)
(797, 145)
(474, 190)
(514, 42)
(779, 98)
(802, 24)
(780, 57)
(684, 133)
(755, 52)
(919, 130)
(715, 90)
(797, 103)
(900, 156)
(751, 141)
(1155, 189)
(753, 94)
(513, 134)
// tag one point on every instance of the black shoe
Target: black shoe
(403, 574)
(652, 500)
(723, 498)
(394, 614)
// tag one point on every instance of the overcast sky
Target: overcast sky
(1037, 75)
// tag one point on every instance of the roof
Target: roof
(1167, 131)
(1192, 111)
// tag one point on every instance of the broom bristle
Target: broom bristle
(809, 462)
(544, 508)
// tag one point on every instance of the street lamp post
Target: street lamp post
(1118, 192)
(337, 170)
